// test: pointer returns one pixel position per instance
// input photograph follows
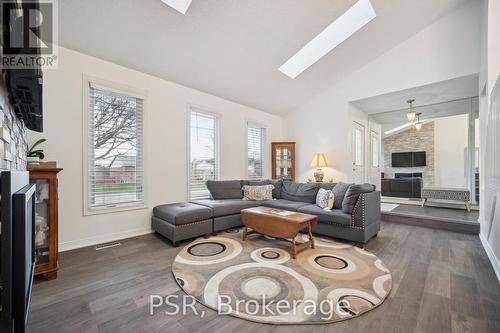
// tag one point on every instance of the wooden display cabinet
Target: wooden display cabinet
(283, 160)
(46, 220)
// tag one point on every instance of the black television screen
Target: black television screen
(23, 217)
(10, 182)
(409, 159)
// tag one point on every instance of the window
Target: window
(204, 162)
(375, 151)
(255, 143)
(115, 170)
(358, 146)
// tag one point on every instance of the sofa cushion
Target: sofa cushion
(352, 196)
(227, 206)
(278, 186)
(284, 204)
(255, 182)
(324, 199)
(301, 192)
(182, 213)
(328, 216)
(261, 192)
(225, 189)
(277, 183)
(339, 191)
(326, 186)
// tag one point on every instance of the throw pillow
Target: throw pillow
(325, 199)
(352, 195)
(339, 191)
(278, 184)
(299, 192)
(263, 192)
(224, 189)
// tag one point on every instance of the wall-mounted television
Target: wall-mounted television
(24, 84)
(409, 159)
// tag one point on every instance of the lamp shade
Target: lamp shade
(319, 161)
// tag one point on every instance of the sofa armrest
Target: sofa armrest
(367, 210)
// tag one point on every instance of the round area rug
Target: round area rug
(258, 280)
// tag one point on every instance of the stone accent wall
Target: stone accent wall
(411, 140)
(13, 145)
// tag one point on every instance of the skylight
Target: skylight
(179, 5)
(342, 28)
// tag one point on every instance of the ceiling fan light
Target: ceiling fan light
(418, 125)
(411, 116)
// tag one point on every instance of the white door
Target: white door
(374, 168)
(358, 153)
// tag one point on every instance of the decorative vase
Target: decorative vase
(32, 159)
(319, 175)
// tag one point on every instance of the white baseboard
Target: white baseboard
(491, 255)
(76, 244)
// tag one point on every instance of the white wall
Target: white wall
(447, 49)
(165, 151)
(491, 243)
(450, 143)
(493, 42)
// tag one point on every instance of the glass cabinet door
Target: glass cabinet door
(283, 161)
(42, 219)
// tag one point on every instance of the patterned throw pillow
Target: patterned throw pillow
(324, 199)
(263, 192)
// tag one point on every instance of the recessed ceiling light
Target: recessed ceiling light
(179, 5)
(342, 28)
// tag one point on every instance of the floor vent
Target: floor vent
(107, 245)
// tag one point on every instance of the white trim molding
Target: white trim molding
(491, 255)
(91, 241)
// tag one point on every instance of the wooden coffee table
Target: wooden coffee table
(279, 223)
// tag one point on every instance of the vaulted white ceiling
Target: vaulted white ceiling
(233, 48)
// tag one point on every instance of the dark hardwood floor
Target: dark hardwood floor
(459, 220)
(443, 282)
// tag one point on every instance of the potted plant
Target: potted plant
(33, 154)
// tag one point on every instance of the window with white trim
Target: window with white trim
(256, 138)
(204, 151)
(115, 171)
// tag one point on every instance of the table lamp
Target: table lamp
(319, 161)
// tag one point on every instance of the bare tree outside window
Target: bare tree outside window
(116, 153)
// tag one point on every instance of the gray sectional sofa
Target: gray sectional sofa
(355, 215)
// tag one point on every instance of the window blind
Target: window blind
(204, 163)
(115, 149)
(255, 144)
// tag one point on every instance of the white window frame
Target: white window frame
(125, 90)
(218, 134)
(374, 137)
(264, 148)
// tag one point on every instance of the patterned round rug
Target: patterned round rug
(258, 280)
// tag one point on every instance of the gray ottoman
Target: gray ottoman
(180, 221)
(445, 193)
